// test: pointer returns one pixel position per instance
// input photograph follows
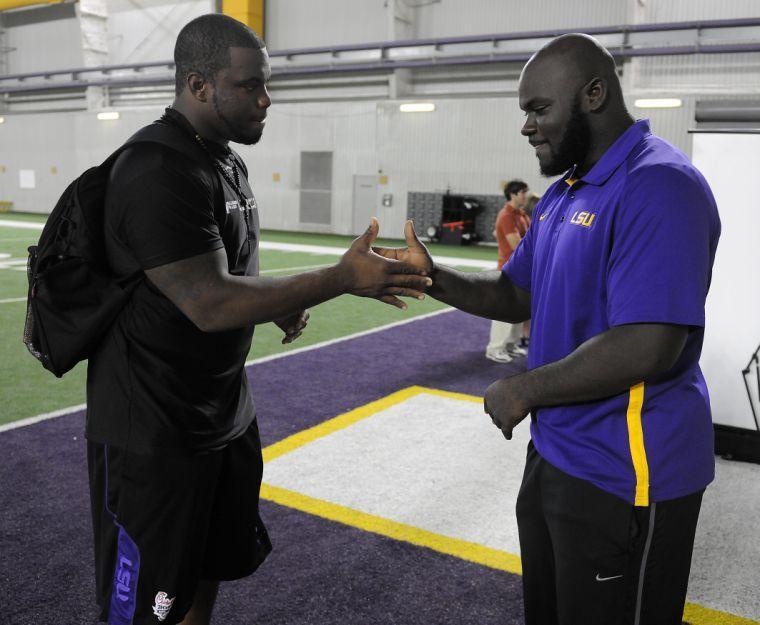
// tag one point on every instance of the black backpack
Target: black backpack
(73, 296)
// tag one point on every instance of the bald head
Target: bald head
(578, 57)
(574, 104)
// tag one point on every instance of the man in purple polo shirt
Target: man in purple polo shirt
(614, 273)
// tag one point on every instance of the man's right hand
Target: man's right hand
(415, 253)
(374, 272)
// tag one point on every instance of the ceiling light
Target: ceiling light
(2, 119)
(658, 103)
(105, 116)
(417, 107)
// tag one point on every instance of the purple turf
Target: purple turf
(444, 352)
(320, 572)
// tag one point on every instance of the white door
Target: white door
(365, 201)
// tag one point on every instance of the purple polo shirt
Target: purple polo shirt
(632, 241)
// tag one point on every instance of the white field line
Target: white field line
(30, 225)
(302, 268)
(339, 251)
(255, 361)
(340, 339)
(309, 249)
(41, 417)
(265, 271)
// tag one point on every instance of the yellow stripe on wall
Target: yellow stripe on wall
(16, 4)
(250, 12)
(636, 442)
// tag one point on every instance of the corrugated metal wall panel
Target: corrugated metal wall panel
(678, 10)
(147, 33)
(291, 23)
(706, 73)
(303, 24)
(30, 42)
(451, 18)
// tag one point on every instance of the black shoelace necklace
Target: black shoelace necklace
(233, 181)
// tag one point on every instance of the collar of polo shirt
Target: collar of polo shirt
(614, 156)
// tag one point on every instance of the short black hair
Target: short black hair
(203, 46)
(513, 187)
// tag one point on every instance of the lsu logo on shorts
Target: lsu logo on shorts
(162, 605)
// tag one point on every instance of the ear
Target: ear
(197, 86)
(595, 95)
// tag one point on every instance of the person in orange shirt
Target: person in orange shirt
(511, 225)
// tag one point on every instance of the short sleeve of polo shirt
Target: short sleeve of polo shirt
(162, 210)
(659, 267)
(519, 267)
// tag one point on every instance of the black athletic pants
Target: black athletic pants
(591, 558)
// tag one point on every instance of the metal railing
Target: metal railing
(417, 53)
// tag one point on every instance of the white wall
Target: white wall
(452, 18)
(148, 33)
(68, 143)
(348, 130)
(292, 24)
(49, 38)
(730, 163)
(705, 73)
(305, 23)
(468, 145)
(42, 39)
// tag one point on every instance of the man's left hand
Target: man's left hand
(505, 403)
(293, 326)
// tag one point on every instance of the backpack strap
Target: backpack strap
(172, 137)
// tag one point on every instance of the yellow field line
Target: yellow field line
(698, 615)
(338, 423)
(462, 549)
(472, 552)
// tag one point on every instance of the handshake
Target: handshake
(382, 273)
(386, 273)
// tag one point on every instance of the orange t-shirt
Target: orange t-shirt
(508, 221)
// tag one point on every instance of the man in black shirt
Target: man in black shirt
(173, 448)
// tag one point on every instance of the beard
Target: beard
(573, 147)
(235, 132)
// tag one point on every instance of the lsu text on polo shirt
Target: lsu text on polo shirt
(632, 241)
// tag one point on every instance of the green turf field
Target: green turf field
(28, 390)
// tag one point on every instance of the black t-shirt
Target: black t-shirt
(157, 382)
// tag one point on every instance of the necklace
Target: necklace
(234, 180)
